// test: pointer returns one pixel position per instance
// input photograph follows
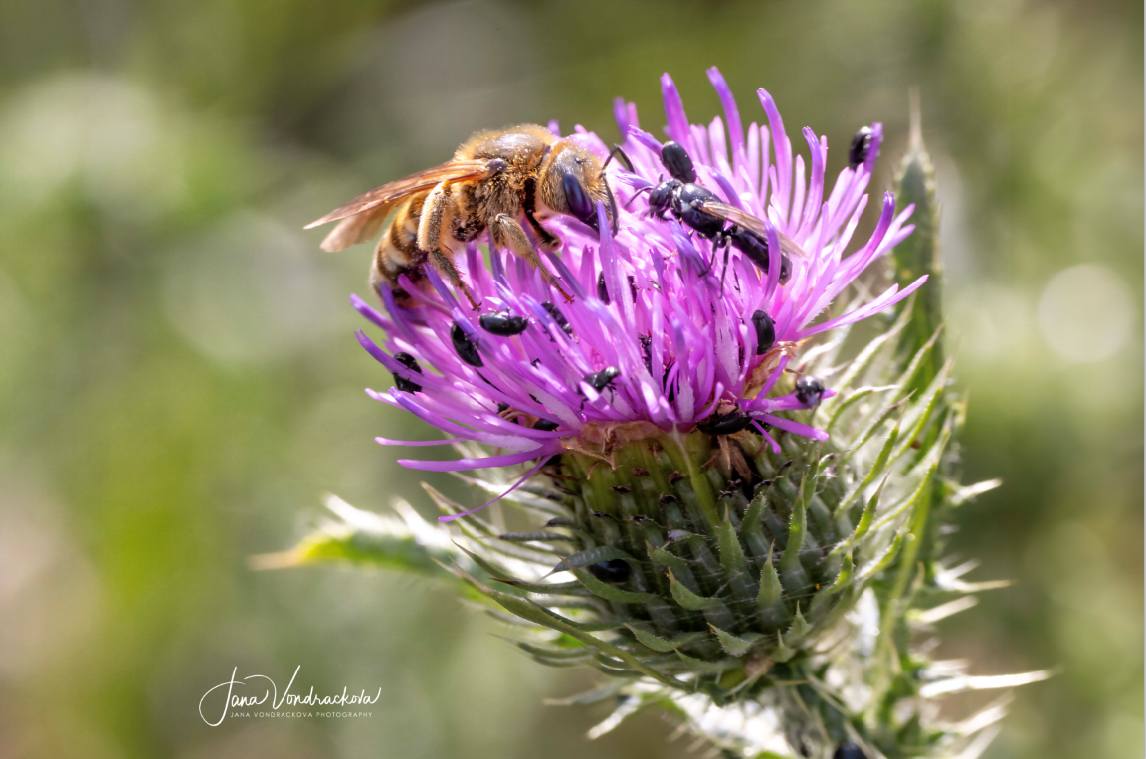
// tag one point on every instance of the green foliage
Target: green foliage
(179, 379)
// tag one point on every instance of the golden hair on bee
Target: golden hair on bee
(497, 180)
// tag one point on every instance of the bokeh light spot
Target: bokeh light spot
(1084, 313)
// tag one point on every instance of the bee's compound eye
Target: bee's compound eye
(676, 160)
(497, 165)
(578, 200)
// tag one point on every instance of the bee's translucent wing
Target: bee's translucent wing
(355, 229)
(752, 224)
(362, 217)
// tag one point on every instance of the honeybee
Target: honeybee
(495, 178)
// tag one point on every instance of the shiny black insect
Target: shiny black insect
(861, 145)
(545, 425)
(555, 314)
(602, 379)
(603, 289)
(765, 331)
(684, 199)
(755, 248)
(465, 345)
(411, 363)
(848, 750)
(613, 570)
(725, 424)
(647, 354)
(809, 391)
(503, 323)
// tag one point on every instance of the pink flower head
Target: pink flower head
(666, 327)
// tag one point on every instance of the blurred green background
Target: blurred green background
(179, 380)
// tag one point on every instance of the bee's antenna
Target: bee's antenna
(619, 153)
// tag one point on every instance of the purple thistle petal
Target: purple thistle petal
(782, 169)
(520, 481)
(731, 115)
(414, 443)
(677, 125)
(873, 147)
(461, 465)
(775, 446)
(655, 303)
(796, 428)
(886, 299)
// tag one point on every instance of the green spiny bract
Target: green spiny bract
(775, 602)
(753, 584)
(711, 565)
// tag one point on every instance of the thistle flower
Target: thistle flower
(734, 506)
(665, 331)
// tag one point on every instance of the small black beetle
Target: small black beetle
(861, 144)
(503, 323)
(411, 363)
(848, 750)
(765, 332)
(555, 313)
(602, 379)
(465, 345)
(613, 570)
(725, 424)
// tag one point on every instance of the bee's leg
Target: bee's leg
(548, 240)
(445, 264)
(437, 213)
(507, 233)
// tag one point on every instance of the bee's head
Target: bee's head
(572, 182)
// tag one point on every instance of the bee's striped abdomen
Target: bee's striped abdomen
(397, 252)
